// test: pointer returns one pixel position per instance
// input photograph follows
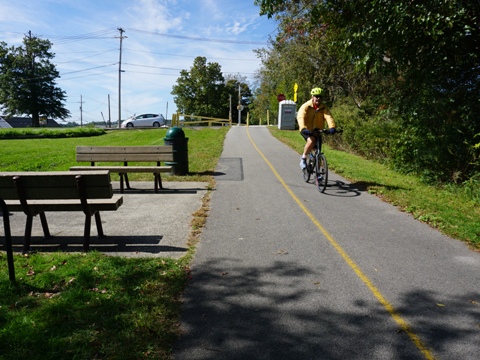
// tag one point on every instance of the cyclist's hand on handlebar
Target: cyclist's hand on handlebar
(307, 132)
(332, 130)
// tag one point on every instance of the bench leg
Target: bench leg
(158, 182)
(126, 181)
(8, 240)
(28, 231)
(28, 234)
(98, 221)
(86, 233)
(46, 231)
(121, 182)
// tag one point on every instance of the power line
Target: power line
(189, 56)
(93, 68)
(87, 57)
(199, 38)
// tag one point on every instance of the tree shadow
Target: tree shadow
(234, 312)
(114, 244)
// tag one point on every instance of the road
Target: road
(284, 272)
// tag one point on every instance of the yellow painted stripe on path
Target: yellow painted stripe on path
(404, 326)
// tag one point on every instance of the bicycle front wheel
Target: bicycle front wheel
(307, 172)
(321, 173)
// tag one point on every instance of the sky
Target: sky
(160, 38)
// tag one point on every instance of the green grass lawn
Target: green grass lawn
(55, 154)
(92, 306)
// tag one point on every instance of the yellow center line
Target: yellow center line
(402, 323)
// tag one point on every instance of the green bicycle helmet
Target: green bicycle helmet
(316, 91)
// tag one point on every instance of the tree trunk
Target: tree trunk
(35, 119)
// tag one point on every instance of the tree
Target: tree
(201, 91)
(27, 81)
(422, 61)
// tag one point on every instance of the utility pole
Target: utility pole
(120, 78)
(239, 107)
(81, 111)
(109, 114)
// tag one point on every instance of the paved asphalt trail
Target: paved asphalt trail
(284, 272)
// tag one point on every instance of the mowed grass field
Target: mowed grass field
(55, 154)
(92, 306)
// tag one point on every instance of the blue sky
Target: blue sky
(162, 37)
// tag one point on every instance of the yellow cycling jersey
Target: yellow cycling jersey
(310, 118)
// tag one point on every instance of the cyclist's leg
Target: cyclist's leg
(309, 144)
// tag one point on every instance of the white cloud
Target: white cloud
(155, 15)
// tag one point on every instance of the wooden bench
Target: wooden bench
(8, 239)
(36, 193)
(126, 154)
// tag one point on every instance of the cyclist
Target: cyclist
(312, 115)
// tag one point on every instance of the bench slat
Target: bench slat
(99, 157)
(56, 185)
(68, 205)
(63, 179)
(130, 169)
(167, 149)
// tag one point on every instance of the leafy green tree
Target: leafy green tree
(420, 62)
(27, 81)
(202, 91)
(205, 91)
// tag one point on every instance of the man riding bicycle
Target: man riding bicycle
(312, 115)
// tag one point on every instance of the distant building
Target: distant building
(25, 122)
(4, 124)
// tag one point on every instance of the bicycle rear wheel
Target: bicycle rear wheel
(321, 173)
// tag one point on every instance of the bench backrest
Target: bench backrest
(124, 153)
(56, 185)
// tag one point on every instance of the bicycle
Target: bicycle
(317, 162)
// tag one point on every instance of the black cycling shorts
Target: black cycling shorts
(306, 136)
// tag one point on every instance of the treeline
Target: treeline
(403, 78)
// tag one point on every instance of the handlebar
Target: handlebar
(326, 131)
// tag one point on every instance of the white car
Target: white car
(144, 120)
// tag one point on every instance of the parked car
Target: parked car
(144, 120)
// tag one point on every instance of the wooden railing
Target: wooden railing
(176, 120)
